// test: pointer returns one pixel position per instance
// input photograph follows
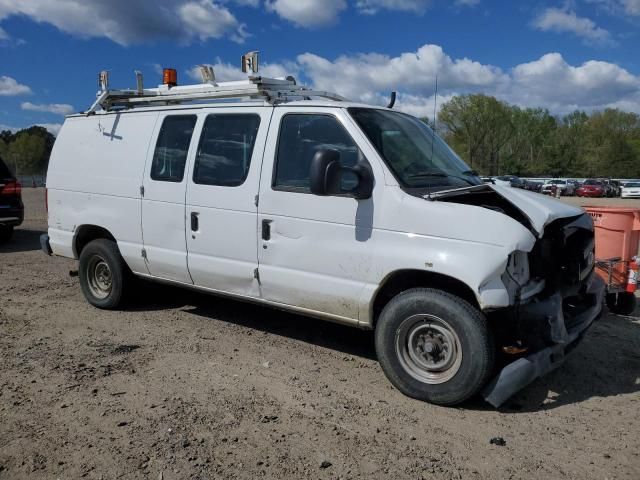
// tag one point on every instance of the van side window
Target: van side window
(226, 146)
(172, 147)
(301, 136)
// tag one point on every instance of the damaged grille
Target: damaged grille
(564, 256)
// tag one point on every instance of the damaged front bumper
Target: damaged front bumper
(562, 322)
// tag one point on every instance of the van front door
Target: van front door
(315, 252)
(221, 200)
(163, 207)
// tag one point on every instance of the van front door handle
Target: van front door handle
(195, 224)
(266, 229)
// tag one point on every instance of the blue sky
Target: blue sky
(558, 55)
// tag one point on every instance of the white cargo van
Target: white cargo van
(271, 192)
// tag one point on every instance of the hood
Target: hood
(538, 209)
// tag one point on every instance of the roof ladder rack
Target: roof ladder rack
(272, 90)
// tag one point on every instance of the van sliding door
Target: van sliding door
(221, 200)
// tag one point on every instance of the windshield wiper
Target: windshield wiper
(439, 175)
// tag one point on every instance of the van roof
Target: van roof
(238, 103)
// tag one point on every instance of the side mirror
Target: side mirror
(326, 174)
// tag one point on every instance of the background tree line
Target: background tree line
(27, 151)
(496, 138)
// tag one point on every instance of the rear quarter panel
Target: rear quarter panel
(94, 178)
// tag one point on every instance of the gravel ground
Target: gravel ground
(184, 385)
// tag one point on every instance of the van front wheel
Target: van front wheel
(103, 274)
(434, 346)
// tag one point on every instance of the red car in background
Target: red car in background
(591, 188)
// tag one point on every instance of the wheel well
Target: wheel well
(403, 280)
(88, 233)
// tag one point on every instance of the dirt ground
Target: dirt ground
(184, 385)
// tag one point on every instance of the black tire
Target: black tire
(623, 303)
(5, 234)
(427, 310)
(104, 275)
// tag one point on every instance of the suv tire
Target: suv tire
(103, 273)
(434, 346)
(5, 234)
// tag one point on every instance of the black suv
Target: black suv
(11, 207)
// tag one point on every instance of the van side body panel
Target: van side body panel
(94, 178)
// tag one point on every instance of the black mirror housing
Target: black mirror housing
(326, 175)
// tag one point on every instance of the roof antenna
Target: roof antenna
(433, 130)
(392, 101)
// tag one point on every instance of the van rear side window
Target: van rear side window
(225, 150)
(172, 147)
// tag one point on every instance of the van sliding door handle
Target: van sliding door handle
(266, 229)
(195, 224)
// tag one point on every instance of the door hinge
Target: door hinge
(142, 190)
(144, 254)
(257, 199)
(256, 275)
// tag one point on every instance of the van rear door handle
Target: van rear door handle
(266, 229)
(195, 224)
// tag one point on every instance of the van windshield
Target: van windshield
(418, 158)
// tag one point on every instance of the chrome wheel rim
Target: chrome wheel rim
(428, 348)
(99, 277)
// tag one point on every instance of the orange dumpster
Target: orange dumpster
(617, 232)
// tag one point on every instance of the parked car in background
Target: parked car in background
(612, 188)
(502, 181)
(576, 185)
(515, 182)
(11, 207)
(591, 188)
(487, 180)
(566, 188)
(533, 186)
(630, 190)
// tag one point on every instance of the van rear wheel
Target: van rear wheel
(103, 274)
(434, 346)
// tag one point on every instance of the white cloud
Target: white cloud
(3, 34)
(566, 21)
(132, 21)
(619, 7)
(205, 19)
(307, 13)
(550, 81)
(373, 6)
(57, 108)
(632, 7)
(10, 87)
(467, 3)
(412, 72)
